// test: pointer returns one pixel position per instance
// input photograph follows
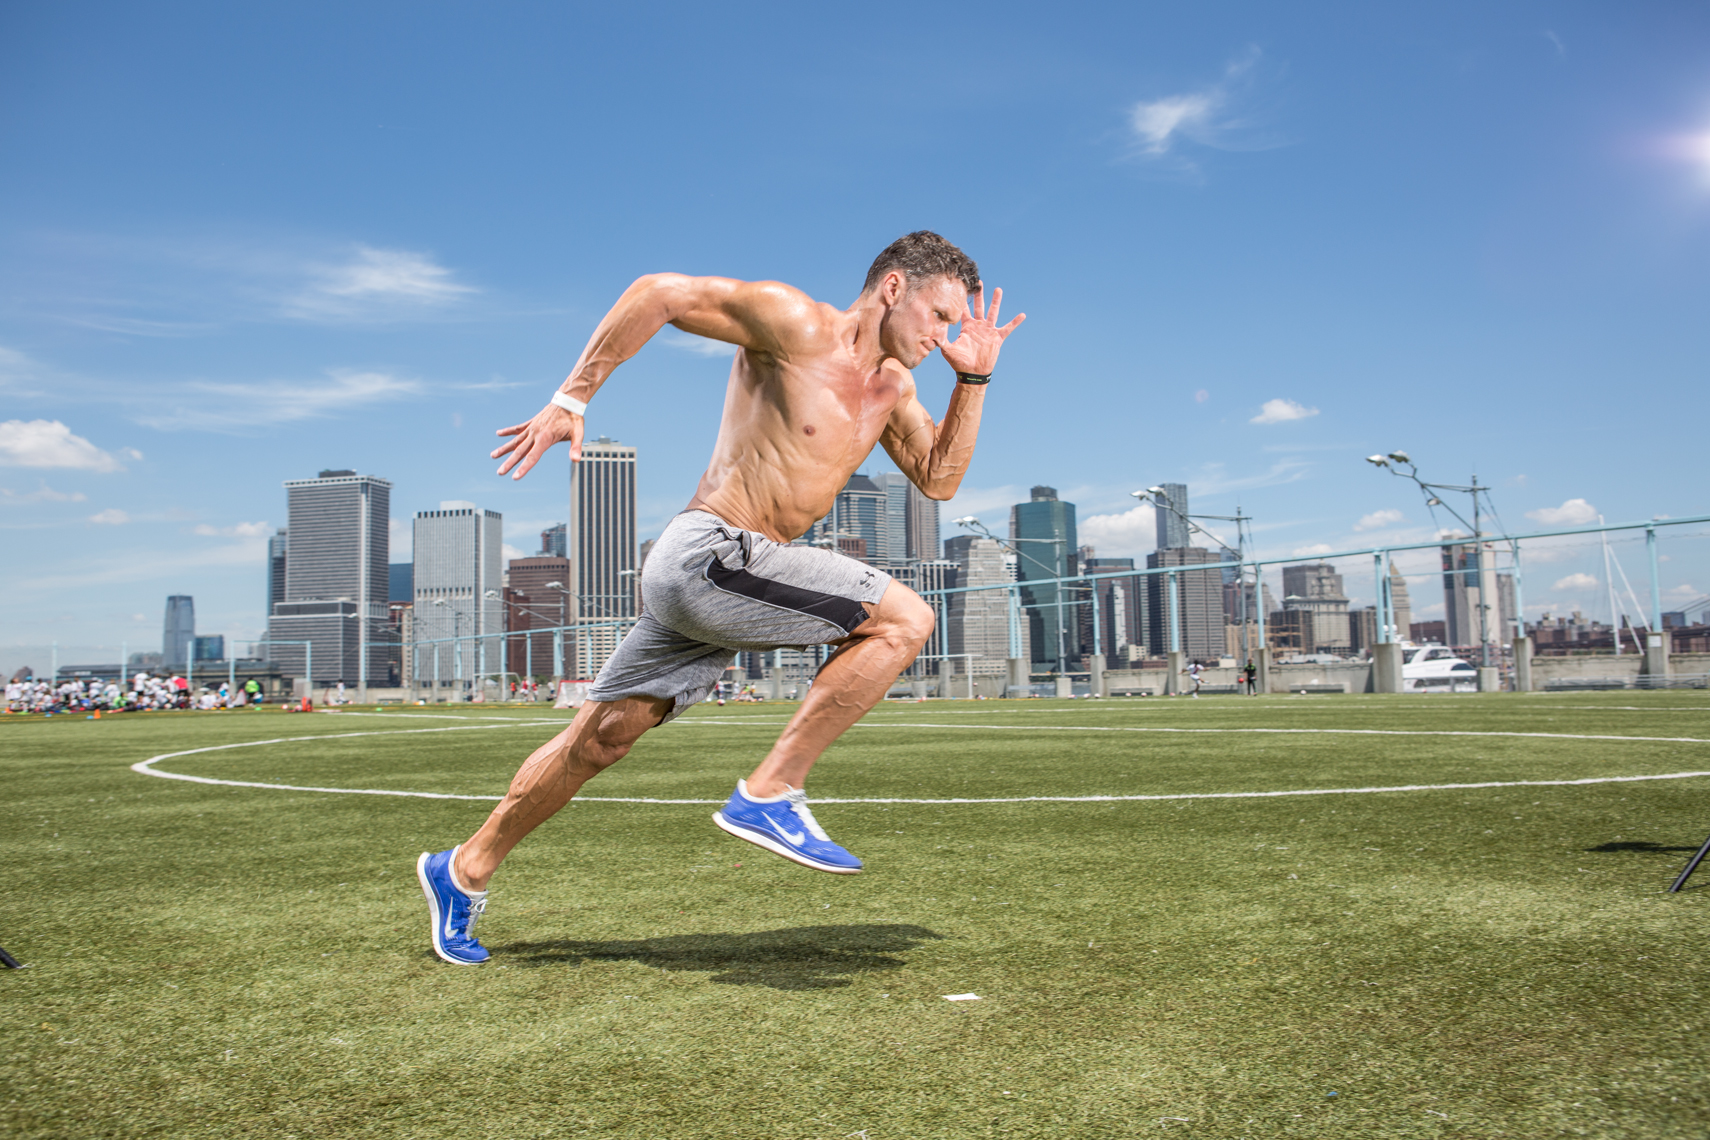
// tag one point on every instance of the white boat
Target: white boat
(1436, 669)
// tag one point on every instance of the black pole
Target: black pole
(10, 962)
(1692, 866)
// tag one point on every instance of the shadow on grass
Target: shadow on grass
(800, 958)
(1635, 845)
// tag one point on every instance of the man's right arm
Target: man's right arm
(756, 315)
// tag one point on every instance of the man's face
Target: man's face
(920, 321)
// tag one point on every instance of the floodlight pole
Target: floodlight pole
(1393, 462)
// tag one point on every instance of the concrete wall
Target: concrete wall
(1627, 665)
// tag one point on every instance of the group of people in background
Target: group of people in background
(141, 692)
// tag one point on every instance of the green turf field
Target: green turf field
(209, 960)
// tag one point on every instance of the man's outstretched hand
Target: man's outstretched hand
(975, 348)
(532, 440)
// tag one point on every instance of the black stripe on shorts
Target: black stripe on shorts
(845, 613)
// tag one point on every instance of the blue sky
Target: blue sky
(239, 243)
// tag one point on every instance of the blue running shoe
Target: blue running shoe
(454, 910)
(784, 826)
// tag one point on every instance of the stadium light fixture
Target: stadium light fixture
(968, 520)
(1378, 460)
(1400, 457)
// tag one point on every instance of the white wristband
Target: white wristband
(569, 403)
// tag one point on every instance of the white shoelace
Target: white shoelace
(477, 907)
(798, 801)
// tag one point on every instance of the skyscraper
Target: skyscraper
(1317, 588)
(540, 596)
(1198, 604)
(601, 546)
(977, 621)
(856, 523)
(553, 542)
(336, 579)
(459, 552)
(893, 524)
(922, 524)
(179, 632)
(1043, 531)
(277, 545)
(1170, 516)
(1119, 608)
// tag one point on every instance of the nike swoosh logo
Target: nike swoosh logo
(794, 840)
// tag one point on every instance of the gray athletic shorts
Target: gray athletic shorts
(710, 589)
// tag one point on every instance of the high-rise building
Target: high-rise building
(1118, 609)
(336, 579)
(601, 546)
(1468, 575)
(977, 621)
(210, 648)
(893, 524)
(539, 599)
(1170, 515)
(458, 610)
(1363, 629)
(554, 542)
(1317, 588)
(856, 522)
(922, 524)
(1198, 604)
(1043, 531)
(179, 632)
(277, 545)
(400, 582)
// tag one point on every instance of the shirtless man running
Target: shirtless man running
(811, 391)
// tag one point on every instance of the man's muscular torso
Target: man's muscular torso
(793, 432)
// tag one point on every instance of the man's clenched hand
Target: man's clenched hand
(532, 440)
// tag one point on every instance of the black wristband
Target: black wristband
(973, 378)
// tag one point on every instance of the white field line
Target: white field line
(145, 767)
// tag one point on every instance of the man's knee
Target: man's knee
(605, 736)
(909, 616)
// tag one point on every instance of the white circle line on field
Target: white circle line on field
(146, 768)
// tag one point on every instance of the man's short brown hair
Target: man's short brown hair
(921, 256)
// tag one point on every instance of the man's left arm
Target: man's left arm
(935, 456)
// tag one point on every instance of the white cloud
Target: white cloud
(1131, 533)
(392, 273)
(377, 284)
(508, 552)
(1280, 411)
(232, 407)
(112, 516)
(1681, 594)
(1158, 122)
(241, 530)
(49, 443)
(1315, 549)
(1574, 512)
(1389, 516)
(43, 494)
(700, 345)
(1576, 582)
(1208, 117)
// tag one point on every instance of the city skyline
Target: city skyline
(1254, 245)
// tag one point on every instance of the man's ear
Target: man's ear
(893, 286)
